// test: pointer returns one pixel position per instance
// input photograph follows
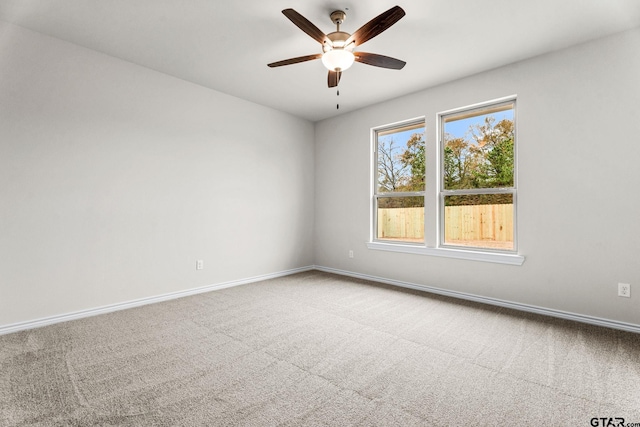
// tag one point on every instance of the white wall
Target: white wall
(579, 177)
(114, 179)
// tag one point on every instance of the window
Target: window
(453, 197)
(399, 184)
(477, 183)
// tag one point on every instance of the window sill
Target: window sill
(500, 258)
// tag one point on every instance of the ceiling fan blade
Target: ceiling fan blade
(379, 60)
(376, 26)
(334, 78)
(295, 60)
(305, 25)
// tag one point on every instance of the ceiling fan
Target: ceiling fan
(338, 48)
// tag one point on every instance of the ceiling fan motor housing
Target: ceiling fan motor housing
(337, 39)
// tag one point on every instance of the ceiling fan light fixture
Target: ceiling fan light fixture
(337, 47)
(338, 59)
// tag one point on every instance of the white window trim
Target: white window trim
(494, 257)
(433, 188)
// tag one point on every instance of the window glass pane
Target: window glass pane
(401, 219)
(479, 221)
(478, 149)
(400, 159)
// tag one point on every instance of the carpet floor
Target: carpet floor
(315, 349)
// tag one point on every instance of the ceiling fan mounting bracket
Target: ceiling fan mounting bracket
(338, 17)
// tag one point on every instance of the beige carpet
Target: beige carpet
(316, 349)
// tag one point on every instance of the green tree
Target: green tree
(392, 173)
(484, 158)
(401, 168)
(494, 144)
(414, 158)
(460, 162)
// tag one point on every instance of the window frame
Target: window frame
(376, 195)
(465, 112)
(434, 186)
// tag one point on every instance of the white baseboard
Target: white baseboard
(16, 327)
(630, 327)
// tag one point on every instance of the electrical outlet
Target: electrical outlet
(350, 254)
(624, 290)
(199, 264)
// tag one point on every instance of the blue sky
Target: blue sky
(400, 142)
(456, 128)
(459, 128)
(400, 138)
(403, 137)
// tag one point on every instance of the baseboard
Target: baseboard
(16, 327)
(629, 327)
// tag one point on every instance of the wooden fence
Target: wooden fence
(401, 223)
(484, 223)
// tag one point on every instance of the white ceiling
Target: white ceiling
(225, 45)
